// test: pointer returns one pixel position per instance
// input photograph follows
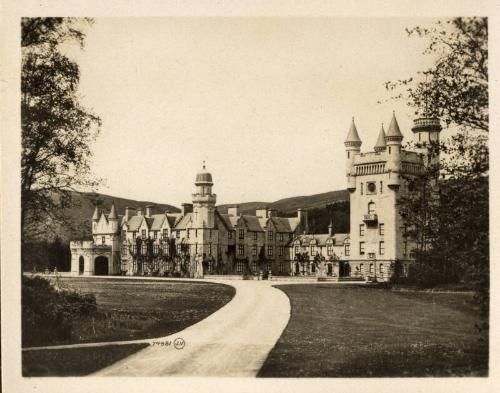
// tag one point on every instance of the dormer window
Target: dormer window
(143, 234)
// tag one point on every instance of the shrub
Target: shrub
(47, 314)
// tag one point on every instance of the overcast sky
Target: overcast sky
(266, 102)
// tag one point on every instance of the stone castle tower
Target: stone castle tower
(375, 181)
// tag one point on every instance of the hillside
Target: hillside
(80, 214)
(289, 206)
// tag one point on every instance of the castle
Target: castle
(201, 241)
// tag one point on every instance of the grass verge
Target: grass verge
(74, 362)
(339, 331)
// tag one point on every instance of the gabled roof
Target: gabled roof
(158, 220)
(184, 221)
(285, 224)
(253, 223)
(224, 218)
(172, 219)
(134, 223)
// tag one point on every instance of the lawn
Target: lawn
(127, 310)
(137, 309)
(74, 362)
(339, 331)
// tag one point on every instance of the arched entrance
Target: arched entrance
(101, 266)
(81, 265)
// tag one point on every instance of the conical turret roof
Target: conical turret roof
(96, 213)
(394, 132)
(112, 212)
(353, 136)
(380, 145)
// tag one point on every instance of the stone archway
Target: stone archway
(81, 265)
(101, 266)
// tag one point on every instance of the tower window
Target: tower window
(348, 154)
(381, 187)
(361, 188)
(381, 229)
(381, 248)
(103, 240)
(389, 148)
(371, 208)
(347, 249)
(361, 248)
(361, 229)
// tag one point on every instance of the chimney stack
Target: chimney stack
(233, 211)
(140, 212)
(262, 212)
(129, 212)
(271, 213)
(149, 210)
(186, 208)
(330, 228)
(302, 216)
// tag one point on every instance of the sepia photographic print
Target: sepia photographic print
(260, 200)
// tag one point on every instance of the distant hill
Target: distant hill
(289, 206)
(81, 211)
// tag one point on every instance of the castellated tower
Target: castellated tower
(375, 182)
(426, 134)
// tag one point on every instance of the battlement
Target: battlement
(370, 158)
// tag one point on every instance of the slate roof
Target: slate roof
(380, 145)
(225, 220)
(394, 131)
(134, 223)
(286, 224)
(184, 221)
(353, 135)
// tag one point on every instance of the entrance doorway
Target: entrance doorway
(345, 269)
(330, 269)
(101, 266)
(297, 268)
(81, 265)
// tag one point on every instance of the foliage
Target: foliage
(39, 255)
(56, 128)
(48, 315)
(455, 88)
(447, 208)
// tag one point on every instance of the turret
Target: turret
(352, 147)
(95, 217)
(393, 140)
(204, 200)
(113, 218)
(381, 146)
(426, 137)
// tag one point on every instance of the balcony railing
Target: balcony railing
(370, 218)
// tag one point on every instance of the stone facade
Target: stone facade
(200, 240)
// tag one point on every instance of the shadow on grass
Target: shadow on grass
(74, 362)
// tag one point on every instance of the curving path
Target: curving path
(232, 342)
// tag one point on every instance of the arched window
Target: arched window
(371, 208)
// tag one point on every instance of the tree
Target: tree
(56, 128)
(455, 88)
(449, 218)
